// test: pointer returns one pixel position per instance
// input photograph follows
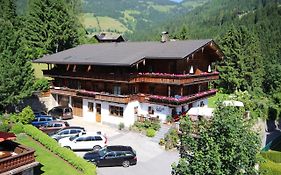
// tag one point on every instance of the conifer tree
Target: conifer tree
(51, 26)
(242, 68)
(16, 74)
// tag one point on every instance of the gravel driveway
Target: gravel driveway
(152, 159)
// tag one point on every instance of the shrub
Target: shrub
(161, 142)
(66, 154)
(171, 139)
(148, 124)
(150, 132)
(17, 128)
(121, 126)
(24, 117)
(41, 84)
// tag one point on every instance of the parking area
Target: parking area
(152, 159)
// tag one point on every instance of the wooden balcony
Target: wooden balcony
(159, 78)
(175, 79)
(172, 101)
(15, 156)
(104, 96)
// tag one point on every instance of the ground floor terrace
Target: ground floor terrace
(113, 110)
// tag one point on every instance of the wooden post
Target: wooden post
(74, 68)
(67, 68)
(169, 91)
(181, 91)
(89, 68)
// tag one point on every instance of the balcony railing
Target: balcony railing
(161, 78)
(183, 99)
(20, 156)
(175, 78)
(105, 96)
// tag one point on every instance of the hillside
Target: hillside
(120, 16)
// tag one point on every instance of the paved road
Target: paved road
(152, 159)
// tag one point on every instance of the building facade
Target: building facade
(113, 83)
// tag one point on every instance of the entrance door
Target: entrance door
(77, 106)
(98, 112)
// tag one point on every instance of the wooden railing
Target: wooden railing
(161, 78)
(182, 100)
(26, 156)
(175, 79)
(113, 98)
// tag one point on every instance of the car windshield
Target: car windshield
(102, 152)
(73, 137)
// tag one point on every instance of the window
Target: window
(136, 110)
(97, 138)
(117, 90)
(73, 131)
(116, 111)
(64, 132)
(110, 155)
(150, 110)
(80, 139)
(90, 107)
(57, 125)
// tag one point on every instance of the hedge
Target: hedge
(86, 167)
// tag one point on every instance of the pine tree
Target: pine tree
(242, 68)
(8, 10)
(51, 26)
(16, 75)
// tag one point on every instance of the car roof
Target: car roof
(72, 127)
(119, 148)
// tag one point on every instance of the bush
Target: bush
(171, 139)
(24, 117)
(41, 84)
(161, 142)
(150, 132)
(121, 126)
(17, 128)
(147, 124)
(66, 154)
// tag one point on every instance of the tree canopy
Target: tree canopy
(224, 146)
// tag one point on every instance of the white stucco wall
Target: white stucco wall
(128, 111)
(159, 110)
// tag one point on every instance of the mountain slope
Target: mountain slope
(134, 14)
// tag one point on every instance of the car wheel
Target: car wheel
(126, 164)
(67, 147)
(96, 148)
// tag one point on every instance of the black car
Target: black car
(61, 112)
(113, 156)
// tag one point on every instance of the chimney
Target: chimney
(165, 37)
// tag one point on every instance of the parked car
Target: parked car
(68, 132)
(113, 156)
(88, 141)
(39, 113)
(61, 112)
(42, 120)
(53, 126)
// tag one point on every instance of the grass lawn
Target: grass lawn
(50, 164)
(212, 100)
(38, 69)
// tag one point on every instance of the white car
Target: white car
(88, 141)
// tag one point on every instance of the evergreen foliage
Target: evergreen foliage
(242, 67)
(226, 145)
(51, 26)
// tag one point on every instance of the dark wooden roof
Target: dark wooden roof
(128, 53)
(105, 37)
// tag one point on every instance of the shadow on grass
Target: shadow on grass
(37, 169)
